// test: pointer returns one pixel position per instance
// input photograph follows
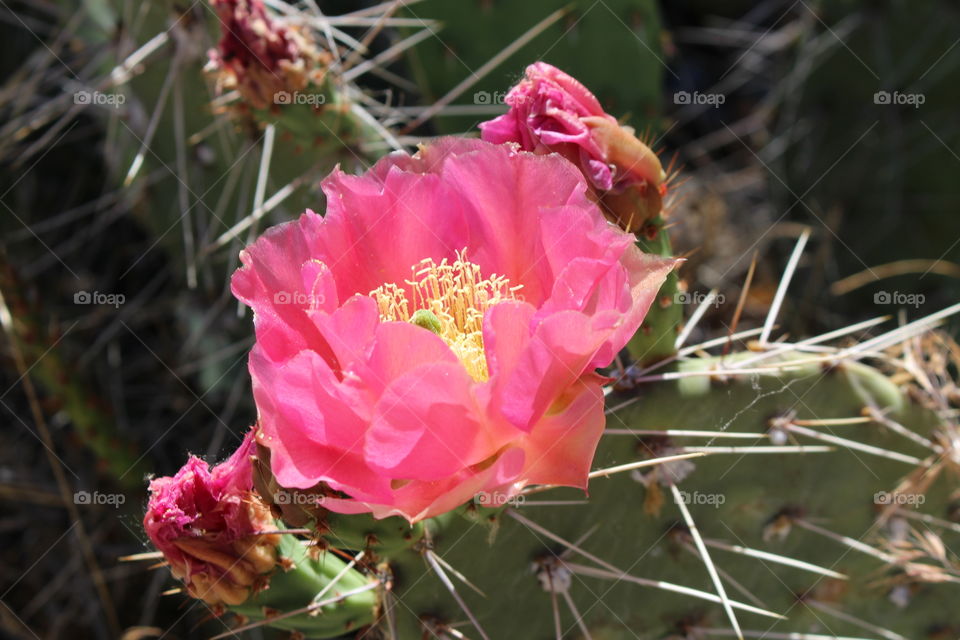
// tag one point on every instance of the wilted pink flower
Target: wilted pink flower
(206, 522)
(260, 57)
(551, 111)
(435, 334)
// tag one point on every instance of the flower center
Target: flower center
(450, 300)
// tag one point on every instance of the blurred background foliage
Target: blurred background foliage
(798, 141)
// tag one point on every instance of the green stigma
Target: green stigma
(427, 319)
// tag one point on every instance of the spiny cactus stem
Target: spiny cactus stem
(639, 464)
(611, 572)
(153, 123)
(695, 318)
(859, 446)
(832, 422)
(760, 450)
(692, 550)
(784, 347)
(886, 633)
(126, 70)
(439, 559)
(720, 371)
(902, 333)
(773, 557)
(486, 68)
(847, 541)
(431, 559)
(630, 466)
(877, 415)
(271, 203)
(685, 433)
(686, 351)
(313, 606)
(781, 347)
(705, 556)
(784, 285)
(387, 55)
(346, 569)
(576, 614)
(618, 576)
(770, 634)
(259, 193)
(929, 519)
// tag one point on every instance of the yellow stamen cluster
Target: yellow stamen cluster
(449, 299)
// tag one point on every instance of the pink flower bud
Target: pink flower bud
(552, 112)
(206, 522)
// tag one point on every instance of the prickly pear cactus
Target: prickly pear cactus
(783, 490)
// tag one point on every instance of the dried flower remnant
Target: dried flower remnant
(208, 524)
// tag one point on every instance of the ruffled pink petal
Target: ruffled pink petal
(350, 330)
(418, 500)
(377, 230)
(557, 355)
(501, 129)
(646, 273)
(399, 348)
(279, 279)
(427, 425)
(561, 446)
(509, 197)
(313, 424)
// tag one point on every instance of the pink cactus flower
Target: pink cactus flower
(206, 522)
(434, 337)
(550, 111)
